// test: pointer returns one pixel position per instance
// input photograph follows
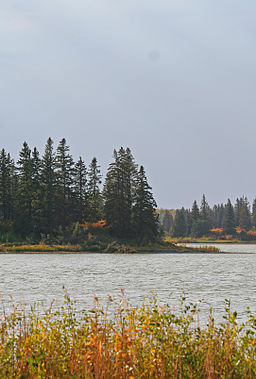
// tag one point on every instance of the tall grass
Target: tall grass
(146, 341)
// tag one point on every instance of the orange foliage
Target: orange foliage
(217, 230)
(94, 226)
(252, 232)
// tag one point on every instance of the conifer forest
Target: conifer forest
(221, 220)
(52, 196)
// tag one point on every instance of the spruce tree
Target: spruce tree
(229, 219)
(217, 215)
(254, 213)
(167, 221)
(244, 217)
(80, 190)
(48, 189)
(179, 225)
(237, 210)
(64, 174)
(145, 218)
(119, 192)
(204, 221)
(195, 220)
(188, 221)
(95, 202)
(36, 191)
(6, 193)
(23, 221)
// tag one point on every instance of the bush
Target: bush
(147, 341)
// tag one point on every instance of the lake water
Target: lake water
(207, 277)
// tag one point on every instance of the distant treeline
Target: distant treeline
(50, 195)
(221, 219)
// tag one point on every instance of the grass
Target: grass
(146, 341)
(40, 248)
(207, 240)
(114, 247)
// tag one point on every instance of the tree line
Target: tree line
(42, 196)
(201, 220)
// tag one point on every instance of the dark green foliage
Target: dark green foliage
(80, 190)
(242, 213)
(179, 225)
(145, 218)
(254, 213)
(229, 219)
(167, 221)
(45, 198)
(119, 192)
(95, 202)
(195, 215)
(52, 199)
(7, 171)
(48, 189)
(203, 224)
(64, 180)
(200, 222)
(204, 209)
(188, 220)
(217, 215)
(195, 212)
(23, 216)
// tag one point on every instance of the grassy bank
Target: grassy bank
(150, 341)
(110, 247)
(208, 240)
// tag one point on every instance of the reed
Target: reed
(146, 341)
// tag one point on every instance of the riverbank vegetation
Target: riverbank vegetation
(147, 341)
(53, 200)
(223, 223)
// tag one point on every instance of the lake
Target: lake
(208, 277)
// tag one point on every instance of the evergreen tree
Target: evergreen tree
(145, 217)
(237, 211)
(95, 202)
(195, 215)
(179, 225)
(48, 188)
(204, 223)
(23, 221)
(204, 209)
(195, 212)
(80, 190)
(244, 217)
(112, 197)
(188, 221)
(218, 215)
(167, 221)
(254, 213)
(36, 191)
(229, 219)
(64, 175)
(119, 192)
(6, 186)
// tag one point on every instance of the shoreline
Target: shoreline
(218, 242)
(135, 253)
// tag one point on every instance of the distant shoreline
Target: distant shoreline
(217, 242)
(134, 253)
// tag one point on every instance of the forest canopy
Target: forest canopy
(221, 220)
(45, 196)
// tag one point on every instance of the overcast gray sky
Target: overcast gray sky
(174, 80)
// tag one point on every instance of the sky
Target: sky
(174, 80)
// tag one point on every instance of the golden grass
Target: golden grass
(40, 248)
(147, 341)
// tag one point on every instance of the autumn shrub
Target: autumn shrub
(146, 341)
